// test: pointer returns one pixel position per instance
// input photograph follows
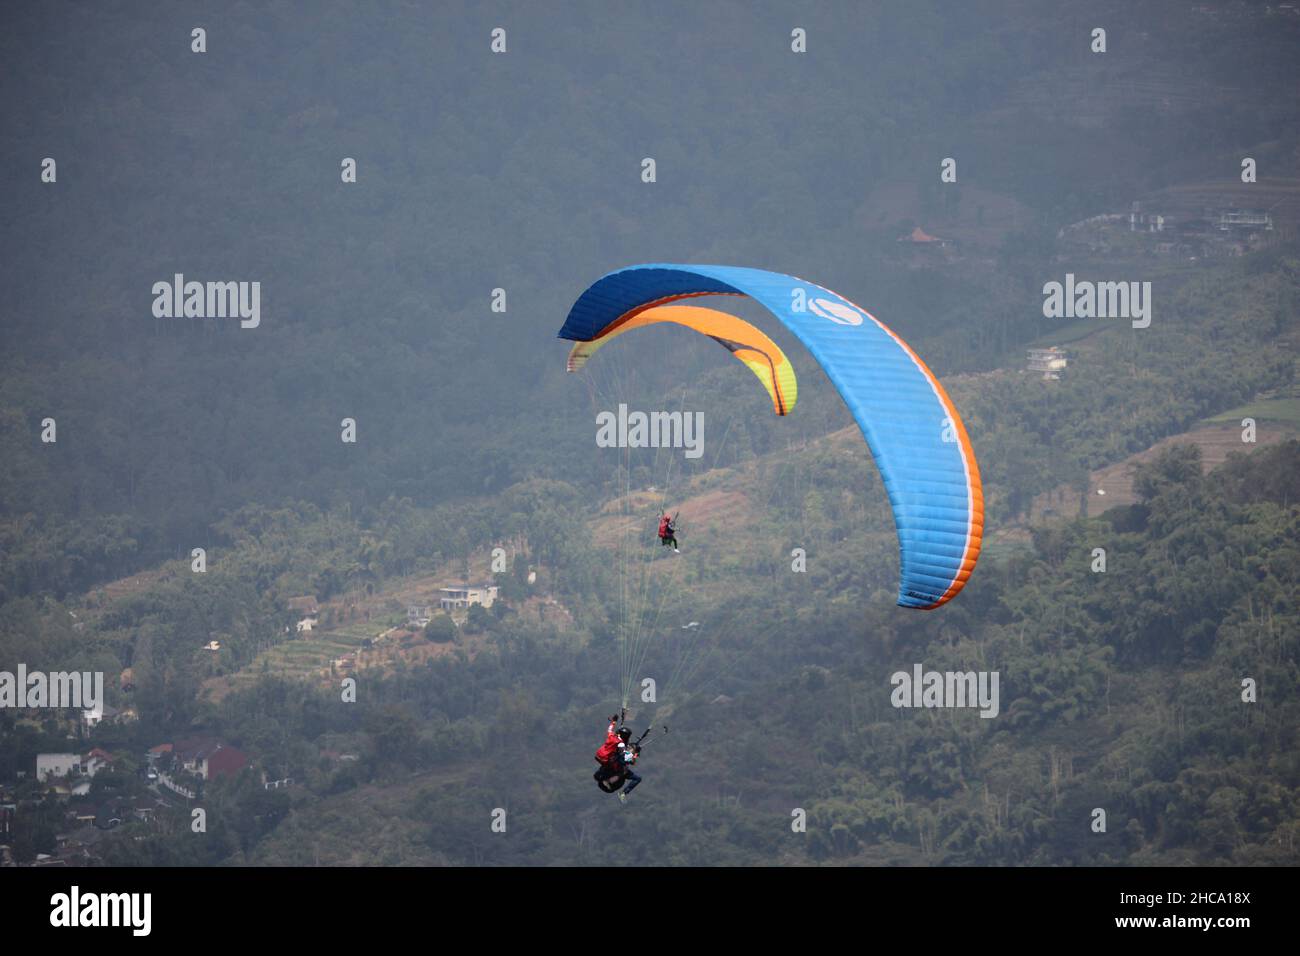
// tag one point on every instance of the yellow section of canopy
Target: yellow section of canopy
(748, 344)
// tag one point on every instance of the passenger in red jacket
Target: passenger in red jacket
(668, 533)
(616, 739)
(616, 757)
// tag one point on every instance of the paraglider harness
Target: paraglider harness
(668, 529)
(612, 775)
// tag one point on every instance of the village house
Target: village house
(51, 766)
(464, 595)
(208, 758)
(419, 615)
(95, 761)
(109, 816)
(77, 845)
(105, 713)
(82, 811)
(1245, 220)
(1139, 220)
(1050, 361)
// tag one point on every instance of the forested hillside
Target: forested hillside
(1147, 655)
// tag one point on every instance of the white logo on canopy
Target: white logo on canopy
(836, 311)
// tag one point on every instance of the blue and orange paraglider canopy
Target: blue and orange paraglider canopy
(911, 425)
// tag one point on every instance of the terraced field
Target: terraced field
(1112, 486)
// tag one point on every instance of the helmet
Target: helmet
(624, 733)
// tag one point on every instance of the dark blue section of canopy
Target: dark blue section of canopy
(620, 292)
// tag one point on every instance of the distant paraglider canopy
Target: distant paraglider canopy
(917, 438)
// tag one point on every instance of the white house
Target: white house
(56, 765)
(464, 595)
(418, 615)
(95, 761)
(1050, 361)
(91, 718)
